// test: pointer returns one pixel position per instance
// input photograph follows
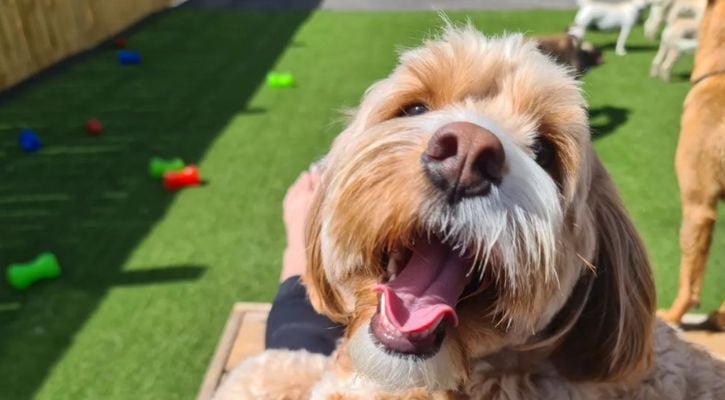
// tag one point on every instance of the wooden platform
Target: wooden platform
(244, 336)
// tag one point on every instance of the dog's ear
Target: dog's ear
(611, 337)
(324, 298)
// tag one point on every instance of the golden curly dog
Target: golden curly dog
(700, 162)
(469, 238)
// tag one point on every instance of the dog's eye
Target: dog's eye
(543, 152)
(413, 109)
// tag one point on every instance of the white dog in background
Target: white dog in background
(608, 16)
(657, 13)
(679, 35)
(668, 11)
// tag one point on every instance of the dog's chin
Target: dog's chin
(423, 345)
(442, 369)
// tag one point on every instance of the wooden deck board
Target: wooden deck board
(243, 336)
(250, 338)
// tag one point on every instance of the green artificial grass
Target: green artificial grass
(149, 277)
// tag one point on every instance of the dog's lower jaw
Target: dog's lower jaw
(444, 370)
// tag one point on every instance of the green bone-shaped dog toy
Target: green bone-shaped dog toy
(159, 166)
(280, 80)
(22, 275)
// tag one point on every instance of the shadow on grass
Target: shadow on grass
(606, 120)
(708, 323)
(631, 48)
(681, 76)
(89, 200)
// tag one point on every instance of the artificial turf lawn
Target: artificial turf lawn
(149, 277)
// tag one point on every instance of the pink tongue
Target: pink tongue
(427, 289)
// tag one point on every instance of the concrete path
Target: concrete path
(369, 5)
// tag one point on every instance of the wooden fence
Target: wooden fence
(37, 33)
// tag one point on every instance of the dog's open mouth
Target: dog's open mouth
(424, 285)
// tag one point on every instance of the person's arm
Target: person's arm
(292, 322)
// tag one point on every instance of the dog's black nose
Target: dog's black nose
(463, 160)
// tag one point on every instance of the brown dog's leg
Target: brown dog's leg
(698, 221)
(718, 319)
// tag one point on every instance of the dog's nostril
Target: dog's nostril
(489, 163)
(442, 146)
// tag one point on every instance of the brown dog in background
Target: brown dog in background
(700, 162)
(568, 48)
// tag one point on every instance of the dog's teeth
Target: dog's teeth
(392, 267)
(383, 314)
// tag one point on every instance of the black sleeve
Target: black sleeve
(293, 324)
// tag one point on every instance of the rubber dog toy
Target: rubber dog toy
(29, 141)
(94, 127)
(159, 166)
(280, 80)
(22, 275)
(126, 57)
(120, 42)
(175, 180)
